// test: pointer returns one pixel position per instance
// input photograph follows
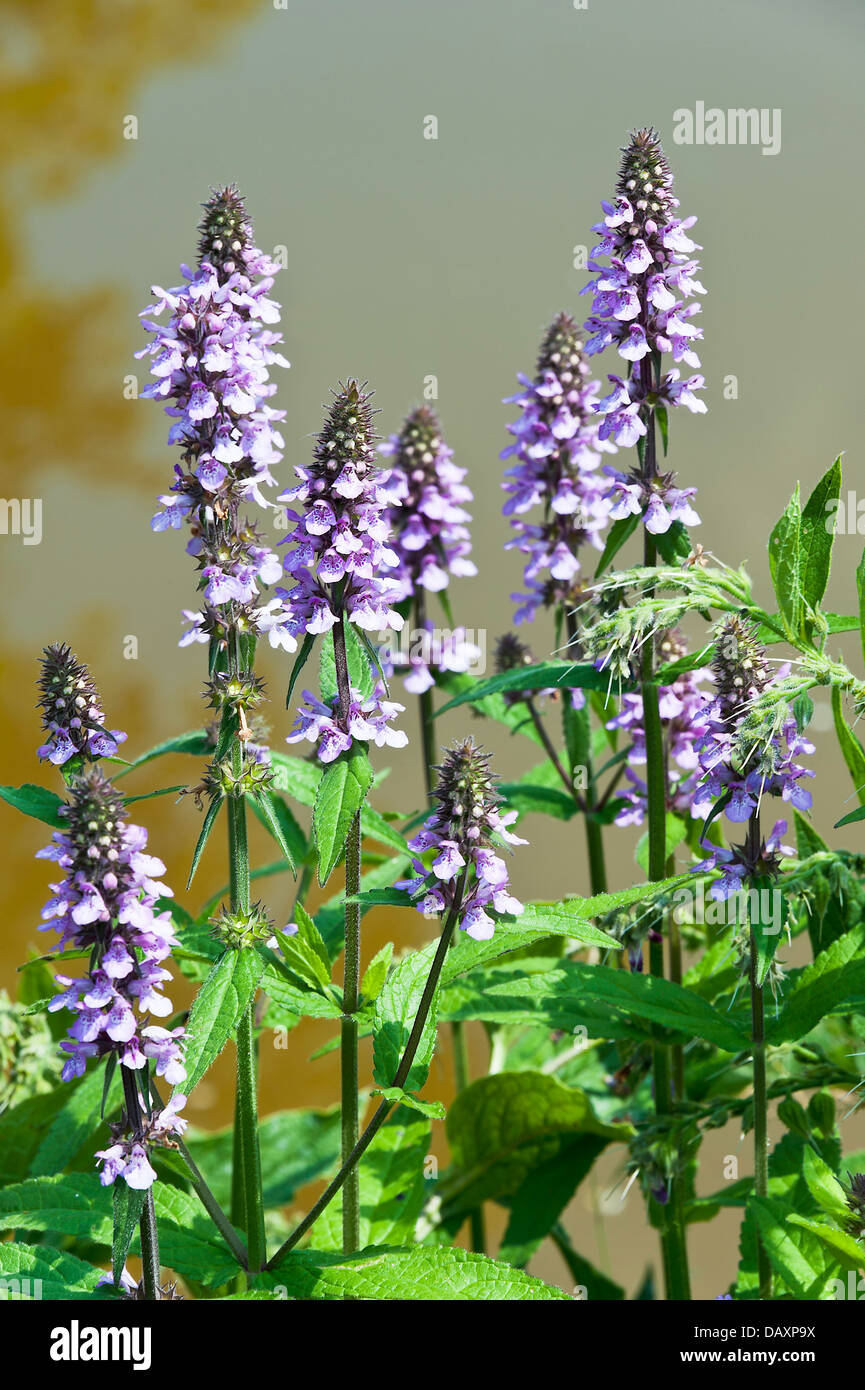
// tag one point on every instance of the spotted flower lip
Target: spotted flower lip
(106, 905)
(368, 720)
(211, 362)
(557, 447)
(643, 263)
(460, 840)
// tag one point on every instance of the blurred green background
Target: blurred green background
(407, 257)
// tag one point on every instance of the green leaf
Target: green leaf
(808, 842)
(340, 796)
(394, 1014)
(597, 1286)
(824, 1186)
(74, 1123)
(674, 545)
(432, 1109)
(305, 953)
(376, 973)
(618, 534)
(299, 778)
(217, 1009)
(505, 1127)
(851, 748)
(544, 1193)
(360, 672)
(860, 590)
(563, 675)
(785, 565)
(564, 996)
(767, 925)
(851, 818)
(45, 1273)
(276, 817)
(550, 801)
(392, 1189)
(37, 802)
(794, 1254)
(128, 1206)
(300, 661)
(836, 975)
(418, 1274)
(204, 835)
(842, 1247)
(817, 538)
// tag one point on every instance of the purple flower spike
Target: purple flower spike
(557, 450)
(211, 362)
(460, 841)
(642, 305)
(340, 554)
(741, 761)
(430, 532)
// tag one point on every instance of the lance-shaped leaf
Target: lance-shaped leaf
(785, 565)
(851, 748)
(300, 661)
(204, 835)
(217, 1009)
(817, 535)
(565, 675)
(273, 813)
(196, 742)
(128, 1206)
(395, 1009)
(836, 977)
(340, 795)
(38, 802)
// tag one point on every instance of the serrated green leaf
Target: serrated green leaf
(45, 1273)
(376, 973)
(38, 802)
(785, 565)
(297, 1147)
(431, 1109)
(360, 671)
(796, 1255)
(816, 538)
(842, 1247)
(128, 1206)
(504, 1127)
(340, 795)
(217, 1009)
(394, 1013)
(824, 1186)
(74, 1122)
(276, 817)
(419, 1274)
(851, 748)
(392, 1189)
(837, 974)
(204, 835)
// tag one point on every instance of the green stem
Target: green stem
(350, 1162)
(350, 1090)
(246, 1098)
(147, 1223)
(673, 1231)
(758, 1052)
(593, 829)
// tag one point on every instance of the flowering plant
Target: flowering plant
(724, 983)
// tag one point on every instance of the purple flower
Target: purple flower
(430, 535)
(72, 714)
(557, 450)
(430, 651)
(368, 721)
(641, 305)
(211, 362)
(683, 707)
(340, 555)
(105, 906)
(741, 761)
(460, 840)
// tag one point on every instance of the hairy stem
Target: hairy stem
(147, 1224)
(758, 1053)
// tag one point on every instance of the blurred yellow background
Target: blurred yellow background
(408, 257)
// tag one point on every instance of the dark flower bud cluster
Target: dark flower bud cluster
(72, 714)
(558, 449)
(636, 304)
(462, 834)
(211, 362)
(510, 654)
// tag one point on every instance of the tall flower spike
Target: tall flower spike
(461, 835)
(211, 363)
(72, 714)
(557, 447)
(340, 554)
(430, 534)
(636, 305)
(104, 907)
(743, 759)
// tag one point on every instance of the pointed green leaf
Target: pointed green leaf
(217, 1009)
(38, 802)
(785, 565)
(204, 835)
(273, 813)
(340, 795)
(421, 1273)
(817, 535)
